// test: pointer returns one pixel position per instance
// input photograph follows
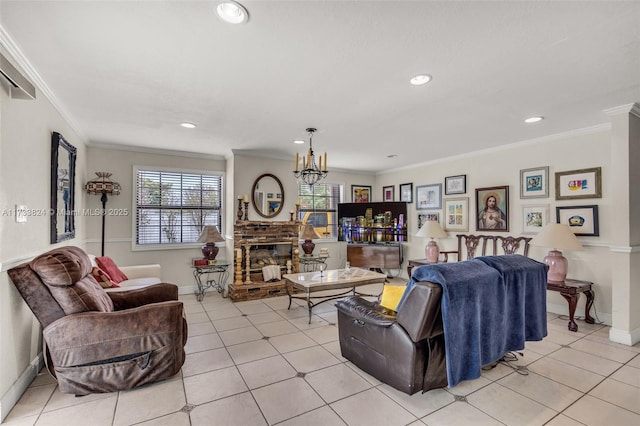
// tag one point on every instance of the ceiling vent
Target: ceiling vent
(21, 88)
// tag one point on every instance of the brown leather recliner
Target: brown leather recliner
(405, 350)
(94, 341)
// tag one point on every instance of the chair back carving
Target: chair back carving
(490, 245)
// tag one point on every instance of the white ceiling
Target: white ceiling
(128, 72)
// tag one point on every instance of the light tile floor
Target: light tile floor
(257, 363)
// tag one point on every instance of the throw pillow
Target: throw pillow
(391, 295)
(103, 278)
(109, 266)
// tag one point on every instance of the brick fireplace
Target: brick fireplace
(258, 244)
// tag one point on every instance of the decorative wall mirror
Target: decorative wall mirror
(63, 173)
(267, 195)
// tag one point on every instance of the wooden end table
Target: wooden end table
(570, 289)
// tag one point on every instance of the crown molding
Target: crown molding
(21, 60)
(513, 145)
(633, 108)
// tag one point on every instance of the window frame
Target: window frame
(173, 246)
(339, 200)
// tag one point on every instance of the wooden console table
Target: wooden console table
(571, 290)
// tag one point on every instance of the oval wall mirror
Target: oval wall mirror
(267, 195)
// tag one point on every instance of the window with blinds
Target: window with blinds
(172, 207)
(319, 207)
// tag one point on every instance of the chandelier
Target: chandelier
(310, 173)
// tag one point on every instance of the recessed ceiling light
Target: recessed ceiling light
(299, 142)
(420, 79)
(232, 12)
(188, 125)
(535, 119)
(392, 155)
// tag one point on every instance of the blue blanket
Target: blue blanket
(490, 306)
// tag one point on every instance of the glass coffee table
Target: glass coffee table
(331, 279)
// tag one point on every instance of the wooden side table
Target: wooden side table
(571, 290)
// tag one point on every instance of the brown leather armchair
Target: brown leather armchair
(94, 341)
(405, 350)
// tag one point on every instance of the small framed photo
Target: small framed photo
(534, 183)
(269, 194)
(582, 220)
(455, 185)
(360, 194)
(388, 193)
(429, 197)
(406, 192)
(423, 217)
(492, 206)
(279, 195)
(456, 214)
(534, 217)
(576, 184)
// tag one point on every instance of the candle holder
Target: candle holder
(239, 214)
(291, 213)
(246, 210)
(297, 212)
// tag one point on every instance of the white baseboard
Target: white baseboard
(628, 338)
(11, 398)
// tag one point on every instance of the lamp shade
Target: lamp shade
(102, 184)
(210, 236)
(308, 232)
(557, 236)
(431, 229)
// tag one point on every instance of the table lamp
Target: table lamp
(210, 236)
(431, 229)
(307, 233)
(558, 236)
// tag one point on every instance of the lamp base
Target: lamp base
(558, 266)
(308, 247)
(210, 251)
(432, 252)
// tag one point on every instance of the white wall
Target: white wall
(249, 168)
(502, 166)
(25, 164)
(176, 263)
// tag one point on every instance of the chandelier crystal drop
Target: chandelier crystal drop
(310, 172)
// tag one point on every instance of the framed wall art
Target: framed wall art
(388, 193)
(534, 217)
(406, 192)
(455, 185)
(576, 184)
(360, 194)
(429, 197)
(456, 214)
(534, 183)
(492, 207)
(423, 217)
(582, 220)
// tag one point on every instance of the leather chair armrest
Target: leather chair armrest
(89, 337)
(367, 312)
(127, 299)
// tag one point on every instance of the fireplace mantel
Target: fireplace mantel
(261, 243)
